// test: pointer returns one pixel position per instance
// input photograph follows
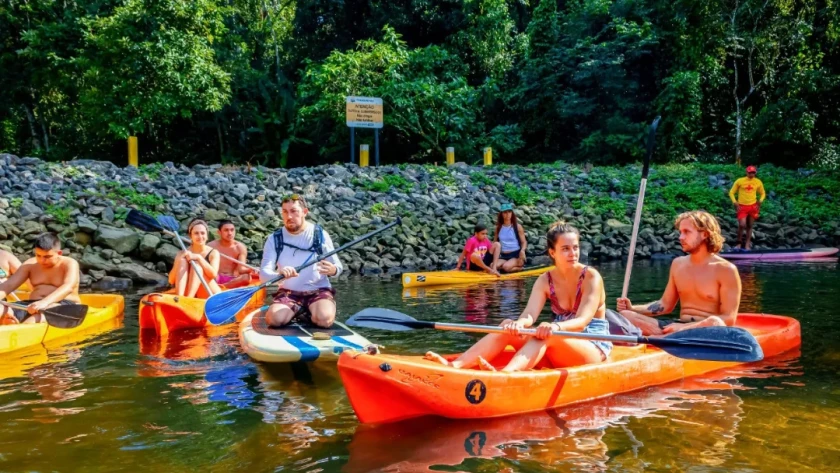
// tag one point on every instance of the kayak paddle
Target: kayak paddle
(705, 343)
(639, 203)
(167, 224)
(221, 308)
(60, 316)
(147, 223)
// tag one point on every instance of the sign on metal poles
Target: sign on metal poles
(364, 112)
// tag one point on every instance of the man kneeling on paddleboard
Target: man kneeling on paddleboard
(308, 294)
(54, 279)
(707, 286)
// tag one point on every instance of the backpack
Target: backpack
(316, 248)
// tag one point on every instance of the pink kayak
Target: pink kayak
(780, 254)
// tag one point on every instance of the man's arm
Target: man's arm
(329, 246)
(14, 281)
(268, 267)
(68, 286)
(243, 258)
(733, 191)
(667, 303)
(761, 194)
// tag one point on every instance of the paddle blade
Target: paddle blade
(222, 308)
(711, 343)
(170, 223)
(386, 319)
(66, 316)
(143, 221)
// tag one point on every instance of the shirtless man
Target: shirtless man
(231, 275)
(707, 286)
(54, 279)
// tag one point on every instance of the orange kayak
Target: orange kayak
(390, 388)
(166, 312)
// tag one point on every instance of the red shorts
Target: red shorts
(751, 210)
(299, 302)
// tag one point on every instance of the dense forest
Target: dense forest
(264, 81)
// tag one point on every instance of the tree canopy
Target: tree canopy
(538, 80)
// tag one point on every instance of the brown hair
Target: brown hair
(500, 220)
(556, 229)
(196, 222)
(704, 222)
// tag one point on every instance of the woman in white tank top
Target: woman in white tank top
(511, 237)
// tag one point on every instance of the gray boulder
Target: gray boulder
(121, 240)
(138, 273)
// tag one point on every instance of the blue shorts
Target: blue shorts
(600, 327)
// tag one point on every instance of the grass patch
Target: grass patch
(127, 195)
(16, 202)
(377, 209)
(383, 184)
(152, 170)
(520, 195)
(441, 175)
(481, 179)
(60, 213)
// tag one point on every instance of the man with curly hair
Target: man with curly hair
(707, 286)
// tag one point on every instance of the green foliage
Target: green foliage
(482, 179)
(384, 184)
(122, 193)
(520, 195)
(152, 171)
(15, 202)
(377, 208)
(59, 212)
(441, 175)
(265, 82)
(603, 205)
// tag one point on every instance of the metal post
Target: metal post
(488, 156)
(364, 155)
(376, 137)
(450, 156)
(132, 151)
(352, 145)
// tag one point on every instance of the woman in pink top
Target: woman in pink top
(479, 252)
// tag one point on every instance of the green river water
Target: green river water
(194, 403)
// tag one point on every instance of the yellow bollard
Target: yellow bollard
(364, 155)
(450, 156)
(488, 156)
(132, 151)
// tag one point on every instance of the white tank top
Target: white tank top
(507, 237)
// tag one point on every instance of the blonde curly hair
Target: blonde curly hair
(704, 222)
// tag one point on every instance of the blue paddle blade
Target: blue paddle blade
(711, 343)
(169, 223)
(143, 221)
(222, 308)
(382, 319)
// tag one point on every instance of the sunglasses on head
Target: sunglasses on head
(294, 197)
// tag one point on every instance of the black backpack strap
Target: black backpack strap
(278, 245)
(318, 240)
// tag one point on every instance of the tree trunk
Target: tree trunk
(36, 143)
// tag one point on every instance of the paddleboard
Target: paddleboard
(438, 278)
(780, 254)
(296, 341)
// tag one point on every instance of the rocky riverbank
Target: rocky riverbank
(85, 203)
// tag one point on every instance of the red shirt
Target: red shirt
(481, 246)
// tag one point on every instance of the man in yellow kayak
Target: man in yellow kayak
(478, 252)
(707, 286)
(308, 294)
(231, 275)
(747, 206)
(54, 279)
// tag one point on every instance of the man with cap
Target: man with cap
(747, 205)
(509, 255)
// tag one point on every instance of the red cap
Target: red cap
(751, 169)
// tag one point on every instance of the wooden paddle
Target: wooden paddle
(639, 203)
(732, 344)
(60, 316)
(222, 308)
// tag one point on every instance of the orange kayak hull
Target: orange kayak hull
(389, 388)
(167, 312)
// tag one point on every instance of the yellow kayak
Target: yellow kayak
(103, 308)
(438, 278)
